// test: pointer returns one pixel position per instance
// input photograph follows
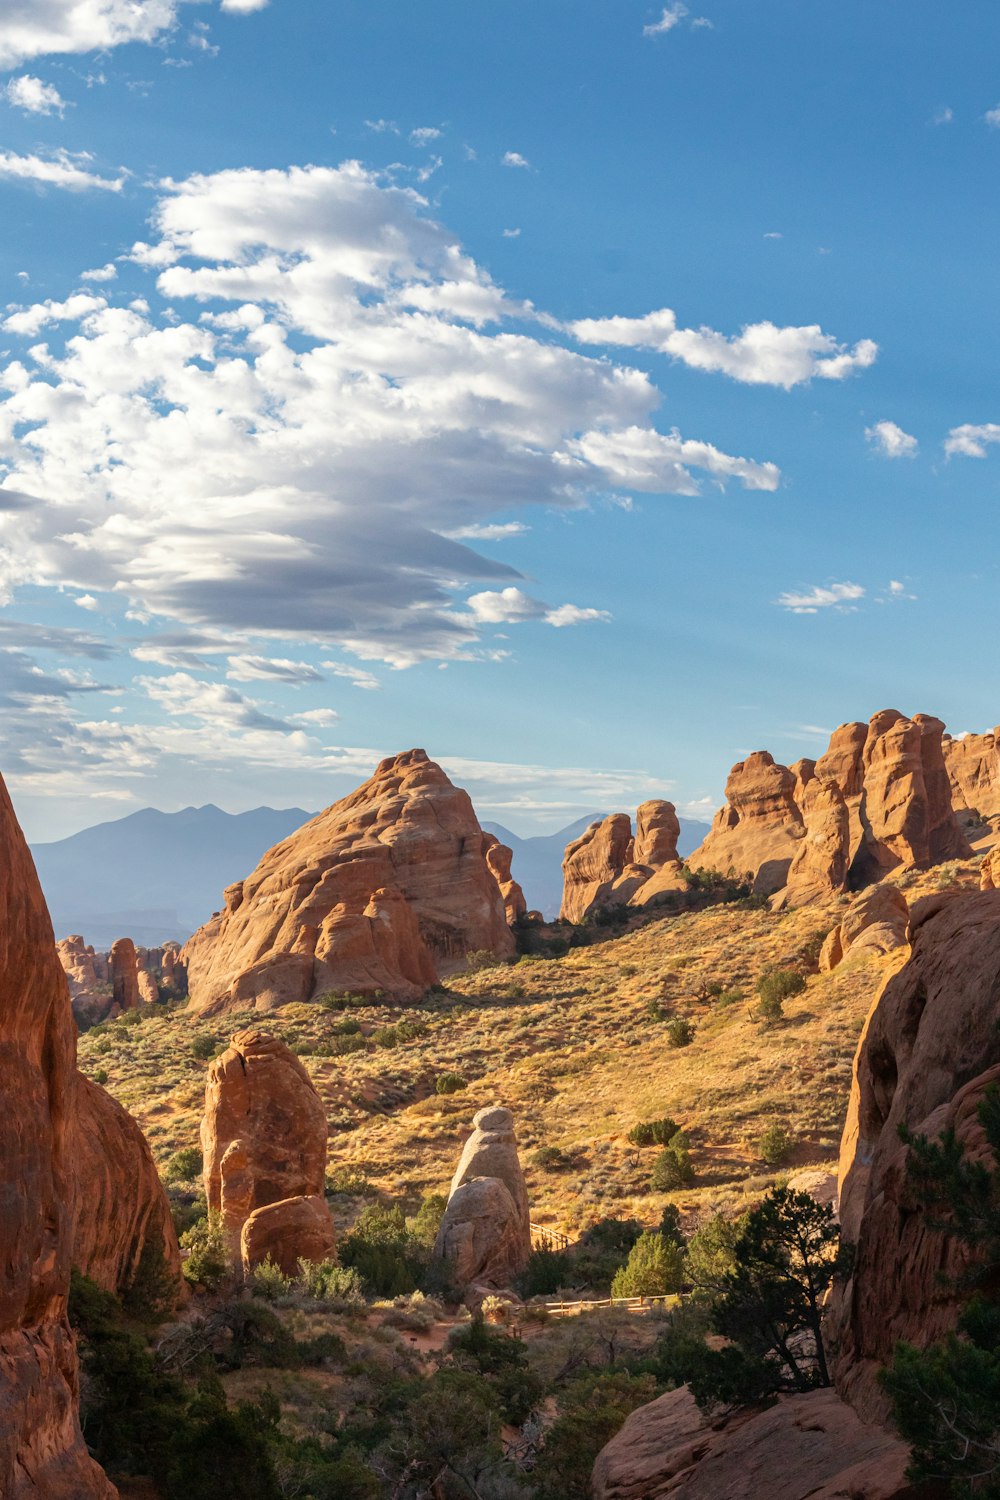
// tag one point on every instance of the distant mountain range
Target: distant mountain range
(154, 875)
(537, 862)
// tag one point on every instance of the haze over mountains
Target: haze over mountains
(153, 876)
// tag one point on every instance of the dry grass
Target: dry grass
(573, 1046)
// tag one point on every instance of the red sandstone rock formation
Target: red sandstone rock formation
(498, 859)
(122, 1210)
(757, 834)
(929, 1048)
(819, 866)
(124, 974)
(606, 866)
(42, 1453)
(263, 1138)
(288, 1231)
(387, 889)
(973, 765)
(811, 1447)
(485, 1232)
(876, 922)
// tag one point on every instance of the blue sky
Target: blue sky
(590, 393)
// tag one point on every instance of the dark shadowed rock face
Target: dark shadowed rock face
(42, 1453)
(389, 889)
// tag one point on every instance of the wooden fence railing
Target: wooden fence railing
(548, 1239)
(633, 1304)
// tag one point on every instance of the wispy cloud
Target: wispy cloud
(514, 159)
(992, 117)
(62, 170)
(891, 441)
(672, 16)
(943, 116)
(839, 596)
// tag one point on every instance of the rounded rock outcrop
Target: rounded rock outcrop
(485, 1233)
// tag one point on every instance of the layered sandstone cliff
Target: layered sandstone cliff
(388, 889)
(42, 1453)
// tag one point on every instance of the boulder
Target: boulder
(757, 834)
(929, 1048)
(498, 859)
(808, 1447)
(877, 921)
(42, 1452)
(123, 1217)
(485, 1230)
(124, 974)
(820, 1184)
(288, 1231)
(263, 1135)
(388, 889)
(657, 830)
(989, 871)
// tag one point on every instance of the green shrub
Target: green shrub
(591, 1411)
(655, 1267)
(545, 1274)
(269, 1281)
(680, 1032)
(383, 1252)
(427, 1220)
(101, 1076)
(480, 959)
(351, 1182)
(672, 1168)
(775, 1145)
(204, 1047)
(184, 1166)
(734, 996)
(449, 1083)
(773, 988)
(711, 1252)
(326, 1281)
(550, 1159)
(503, 1364)
(205, 1263)
(653, 1132)
(343, 1000)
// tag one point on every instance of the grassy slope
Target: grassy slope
(569, 1044)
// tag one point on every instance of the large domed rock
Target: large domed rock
(757, 834)
(42, 1452)
(877, 921)
(485, 1232)
(388, 889)
(122, 1211)
(288, 1231)
(263, 1139)
(929, 1048)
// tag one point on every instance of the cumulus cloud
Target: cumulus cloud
(992, 117)
(100, 273)
(572, 614)
(824, 596)
(182, 695)
(64, 169)
(891, 441)
(672, 16)
(972, 440)
(316, 718)
(36, 28)
(761, 354)
(424, 135)
(86, 601)
(297, 448)
(514, 159)
(33, 96)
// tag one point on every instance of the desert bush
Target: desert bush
(326, 1281)
(343, 1000)
(351, 1182)
(672, 1168)
(101, 1076)
(774, 1145)
(550, 1159)
(653, 1132)
(591, 1411)
(773, 988)
(449, 1083)
(205, 1262)
(184, 1166)
(502, 1362)
(269, 1281)
(427, 1220)
(480, 959)
(680, 1032)
(204, 1047)
(545, 1274)
(655, 1267)
(382, 1251)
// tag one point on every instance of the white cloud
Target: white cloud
(489, 533)
(33, 96)
(896, 591)
(424, 135)
(971, 440)
(992, 117)
(514, 159)
(248, 668)
(86, 601)
(63, 169)
(316, 718)
(671, 17)
(382, 127)
(761, 354)
(37, 28)
(774, 234)
(355, 675)
(100, 273)
(511, 234)
(891, 441)
(334, 392)
(184, 696)
(572, 614)
(825, 596)
(943, 116)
